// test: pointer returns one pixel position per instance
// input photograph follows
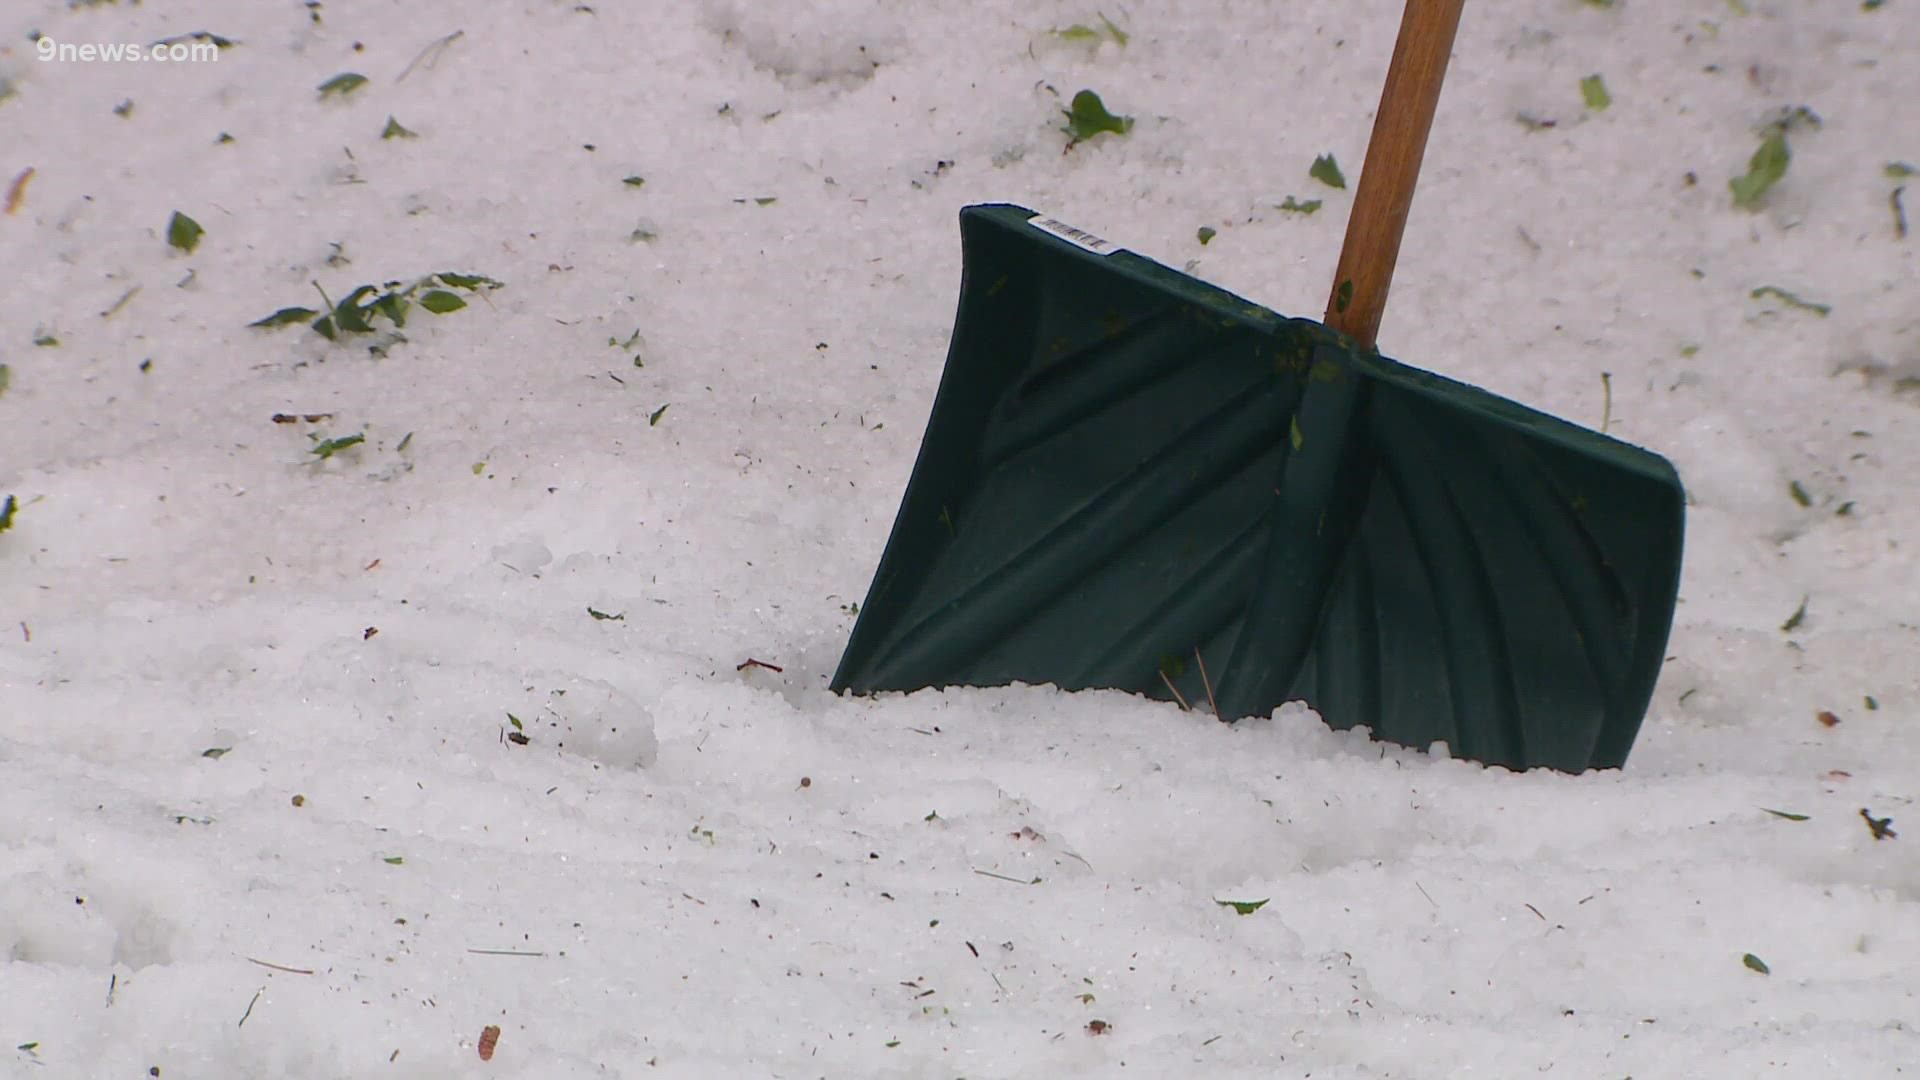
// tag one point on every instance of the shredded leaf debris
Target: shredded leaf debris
(1790, 300)
(183, 232)
(342, 84)
(1327, 171)
(1593, 90)
(1799, 616)
(1764, 169)
(326, 448)
(1088, 117)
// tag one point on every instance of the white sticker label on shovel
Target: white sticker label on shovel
(1080, 238)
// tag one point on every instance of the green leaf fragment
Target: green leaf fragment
(183, 232)
(348, 315)
(1293, 206)
(7, 506)
(1327, 171)
(1205, 233)
(1799, 494)
(326, 448)
(635, 181)
(286, 316)
(765, 200)
(342, 84)
(601, 616)
(1243, 907)
(1764, 169)
(515, 721)
(440, 301)
(394, 307)
(45, 341)
(1754, 963)
(6, 379)
(394, 860)
(468, 281)
(395, 130)
(1082, 32)
(1089, 117)
(1872, 703)
(216, 752)
(1900, 170)
(1343, 297)
(1593, 90)
(1788, 815)
(1293, 432)
(1790, 300)
(653, 418)
(1799, 616)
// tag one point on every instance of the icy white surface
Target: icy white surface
(692, 869)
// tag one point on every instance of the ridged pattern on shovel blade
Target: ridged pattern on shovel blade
(1126, 468)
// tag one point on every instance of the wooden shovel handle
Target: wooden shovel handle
(1387, 179)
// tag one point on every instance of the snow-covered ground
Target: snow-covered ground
(260, 811)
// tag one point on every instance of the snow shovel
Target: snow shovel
(1134, 480)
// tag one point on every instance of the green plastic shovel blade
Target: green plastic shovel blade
(1127, 470)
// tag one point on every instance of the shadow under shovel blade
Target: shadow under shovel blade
(1126, 466)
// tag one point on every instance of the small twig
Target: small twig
(279, 967)
(1899, 212)
(504, 952)
(1606, 400)
(1423, 892)
(1206, 682)
(112, 982)
(250, 1004)
(120, 303)
(1177, 696)
(1003, 877)
(435, 47)
(751, 662)
(1536, 912)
